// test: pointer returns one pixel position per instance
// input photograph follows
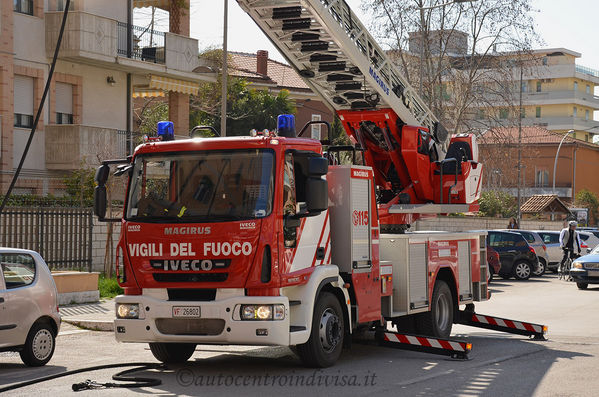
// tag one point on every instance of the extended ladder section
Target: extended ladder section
(337, 57)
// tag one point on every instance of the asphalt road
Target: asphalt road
(499, 365)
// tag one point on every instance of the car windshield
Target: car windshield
(201, 186)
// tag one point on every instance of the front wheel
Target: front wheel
(541, 269)
(582, 285)
(326, 337)
(39, 346)
(522, 270)
(171, 353)
(438, 321)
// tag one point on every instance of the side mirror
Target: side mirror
(317, 197)
(318, 166)
(102, 174)
(100, 201)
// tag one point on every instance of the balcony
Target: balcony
(69, 146)
(101, 41)
(563, 123)
(561, 97)
(530, 191)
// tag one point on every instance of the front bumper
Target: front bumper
(218, 323)
(585, 276)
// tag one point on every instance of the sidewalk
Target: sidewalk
(97, 316)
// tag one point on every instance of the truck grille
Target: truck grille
(195, 294)
(190, 277)
(182, 326)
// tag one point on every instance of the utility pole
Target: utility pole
(520, 145)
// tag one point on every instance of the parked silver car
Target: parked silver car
(536, 242)
(29, 319)
(554, 251)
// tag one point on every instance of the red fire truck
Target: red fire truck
(269, 239)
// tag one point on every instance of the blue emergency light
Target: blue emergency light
(286, 125)
(166, 130)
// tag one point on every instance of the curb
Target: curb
(94, 325)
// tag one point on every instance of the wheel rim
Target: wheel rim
(541, 269)
(522, 270)
(329, 331)
(442, 312)
(41, 345)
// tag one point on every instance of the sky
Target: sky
(569, 24)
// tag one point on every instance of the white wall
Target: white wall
(114, 9)
(36, 157)
(29, 39)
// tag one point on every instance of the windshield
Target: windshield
(201, 186)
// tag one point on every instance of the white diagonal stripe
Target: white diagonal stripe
(456, 346)
(519, 325)
(500, 322)
(435, 343)
(413, 340)
(392, 338)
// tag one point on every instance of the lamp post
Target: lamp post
(422, 8)
(557, 154)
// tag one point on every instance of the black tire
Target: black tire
(582, 285)
(172, 353)
(522, 270)
(39, 346)
(438, 321)
(326, 337)
(541, 270)
(505, 276)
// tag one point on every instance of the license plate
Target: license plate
(186, 311)
(593, 273)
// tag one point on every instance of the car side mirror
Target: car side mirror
(100, 201)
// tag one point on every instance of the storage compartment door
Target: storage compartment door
(360, 223)
(418, 275)
(465, 270)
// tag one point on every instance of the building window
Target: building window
(586, 115)
(538, 112)
(23, 100)
(23, 6)
(480, 114)
(541, 178)
(315, 130)
(545, 61)
(586, 137)
(522, 113)
(503, 113)
(538, 86)
(524, 86)
(64, 103)
(575, 111)
(588, 89)
(575, 86)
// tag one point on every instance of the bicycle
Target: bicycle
(564, 270)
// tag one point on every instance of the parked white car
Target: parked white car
(29, 319)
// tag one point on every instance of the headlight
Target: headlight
(262, 312)
(577, 265)
(127, 310)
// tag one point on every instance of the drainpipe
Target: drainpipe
(129, 110)
(575, 149)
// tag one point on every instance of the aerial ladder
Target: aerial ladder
(398, 135)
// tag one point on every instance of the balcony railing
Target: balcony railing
(586, 70)
(145, 44)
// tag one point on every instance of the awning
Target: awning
(151, 3)
(168, 84)
(144, 93)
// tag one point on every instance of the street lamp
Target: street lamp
(422, 9)
(556, 154)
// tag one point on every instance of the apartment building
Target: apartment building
(104, 62)
(557, 94)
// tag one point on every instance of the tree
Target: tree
(497, 203)
(80, 186)
(457, 46)
(587, 199)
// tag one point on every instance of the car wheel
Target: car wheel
(582, 285)
(39, 346)
(324, 346)
(438, 321)
(522, 270)
(505, 276)
(171, 353)
(541, 269)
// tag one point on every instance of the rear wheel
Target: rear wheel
(326, 337)
(541, 269)
(438, 321)
(522, 270)
(171, 353)
(582, 285)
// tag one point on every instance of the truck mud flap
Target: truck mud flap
(445, 347)
(469, 317)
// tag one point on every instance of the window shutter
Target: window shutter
(23, 95)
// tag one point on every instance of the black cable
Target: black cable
(39, 109)
(138, 382)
